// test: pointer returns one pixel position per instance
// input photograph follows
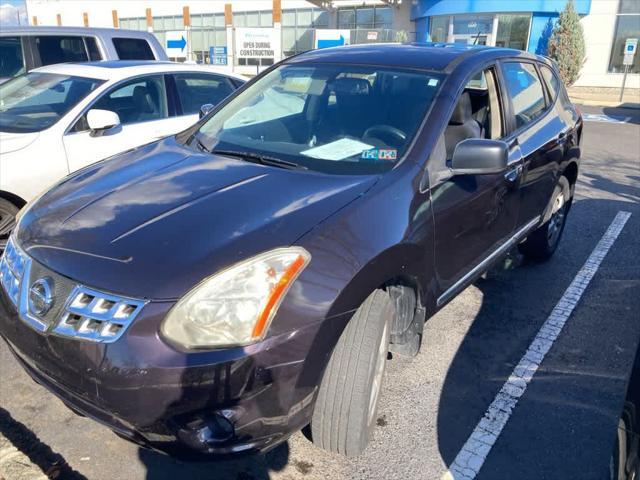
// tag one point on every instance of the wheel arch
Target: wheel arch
(13, 198)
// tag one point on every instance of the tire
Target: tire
(8, 212)
(543, 242)
(345, 411)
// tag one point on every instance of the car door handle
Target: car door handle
(514, 173)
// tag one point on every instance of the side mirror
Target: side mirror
(205, 109)
(100, 121)
(479, 156)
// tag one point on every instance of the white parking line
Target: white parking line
(474, 452)
(601, 117)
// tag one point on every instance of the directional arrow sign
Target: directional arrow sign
(337, 42)
(176, 43)
(326, 37)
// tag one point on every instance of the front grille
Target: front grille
(97, 316)
(12, 268)
(75, 311)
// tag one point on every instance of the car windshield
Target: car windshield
(334, 119)
(35, 101)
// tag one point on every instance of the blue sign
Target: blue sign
(218, 55)
(179, 44)
(328, 43)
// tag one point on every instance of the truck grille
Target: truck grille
(73, 310)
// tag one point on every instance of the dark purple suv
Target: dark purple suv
(221, 289)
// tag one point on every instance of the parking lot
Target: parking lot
(562, 427)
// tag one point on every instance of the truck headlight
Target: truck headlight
(236, 305)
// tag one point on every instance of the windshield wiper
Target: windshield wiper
(261, 159)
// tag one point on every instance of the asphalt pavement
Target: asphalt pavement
(563, 426)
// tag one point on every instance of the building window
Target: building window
(439, 30)
(513, 31)
(298, 29)
(365, 18)
(627, 26)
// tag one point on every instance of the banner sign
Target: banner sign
(257, 43)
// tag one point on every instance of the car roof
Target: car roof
(57, 30)
(121, 69)
(442, 57)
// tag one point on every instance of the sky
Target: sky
(13, 12)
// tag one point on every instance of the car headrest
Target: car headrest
(351, 86)
(142, 99)
(462, 113)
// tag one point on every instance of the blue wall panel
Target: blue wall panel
(427, 8)
(541, 27)
(422, 30)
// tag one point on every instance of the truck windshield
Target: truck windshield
(35, 101)
(340, 119)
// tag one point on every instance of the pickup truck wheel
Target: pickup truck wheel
(542, 243)
(345, 411)
(8, 212)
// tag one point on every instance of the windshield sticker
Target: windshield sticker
(380, 154)
(432, 82)
(338, 150)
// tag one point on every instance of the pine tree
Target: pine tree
(566, 45)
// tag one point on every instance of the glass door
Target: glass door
(473, 29)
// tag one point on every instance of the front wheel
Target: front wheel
(543, 242)
(345, 411)
(8, 212)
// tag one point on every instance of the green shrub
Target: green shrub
(566, 45)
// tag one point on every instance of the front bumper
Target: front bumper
(218, 402)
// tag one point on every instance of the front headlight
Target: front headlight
(235, 306)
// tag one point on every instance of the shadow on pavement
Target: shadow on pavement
(517, 298)
(251, 467)
(628, 111)
(50, 463)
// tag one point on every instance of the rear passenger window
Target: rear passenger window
(92, 48)
(195, 90)
(11, 58)
(60, 49)
(551, 80)
(525, 90)
(133, 49)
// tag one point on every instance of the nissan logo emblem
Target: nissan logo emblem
(41, 297)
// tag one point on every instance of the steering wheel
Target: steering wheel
(384, 133)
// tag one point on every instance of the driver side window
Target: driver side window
(140, 100)
(477, 112)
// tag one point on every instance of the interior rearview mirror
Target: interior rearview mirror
(100, 121)
(205, 109)
(479, 156)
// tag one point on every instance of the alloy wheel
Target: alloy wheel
(556, 222)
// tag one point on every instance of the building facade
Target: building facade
(217, 31)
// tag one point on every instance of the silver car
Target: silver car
(24, 48)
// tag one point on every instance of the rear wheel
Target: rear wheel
(542, 243)
(345, 411)
(8, 212)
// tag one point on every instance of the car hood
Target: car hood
(153, 222)
(11, 142)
